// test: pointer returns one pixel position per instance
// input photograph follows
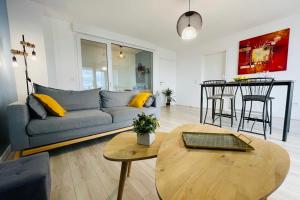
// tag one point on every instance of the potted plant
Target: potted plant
(168, 94)
(145, 125)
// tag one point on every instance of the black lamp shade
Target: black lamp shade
(190, 19)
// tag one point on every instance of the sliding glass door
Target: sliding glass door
(114, 67)
(131, 68)
(94, 65)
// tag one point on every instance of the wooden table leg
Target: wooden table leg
(123, 173)
(129, 167)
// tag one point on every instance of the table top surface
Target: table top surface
(124, 147)
(183, 173)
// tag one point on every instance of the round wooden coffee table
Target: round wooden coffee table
(124, 148)
(190, 174)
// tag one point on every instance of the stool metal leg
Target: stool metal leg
(213, 111)
(270, 122)
(234, 109)
(267, 112)
(264, 115)
(250, 111)
(245, 106)
(206, 111)
(231, 111)
(242, 112)
(221, 110)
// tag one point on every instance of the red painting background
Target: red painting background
(276, 43)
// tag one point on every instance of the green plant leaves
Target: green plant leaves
(144, 124)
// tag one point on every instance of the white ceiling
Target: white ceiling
(155, 20)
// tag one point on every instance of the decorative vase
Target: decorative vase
(146, 139)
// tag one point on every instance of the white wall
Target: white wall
(57, 46)
(190, 64)
(25, 18)
(62, 65)
(166, 77)
(188, 77)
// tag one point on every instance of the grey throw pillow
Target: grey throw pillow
(149, 102)
(115, 99)
(36, 107)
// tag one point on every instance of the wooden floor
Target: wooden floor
(80, 171)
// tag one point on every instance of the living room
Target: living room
(80, 79)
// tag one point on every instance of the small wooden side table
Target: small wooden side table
(124, 148)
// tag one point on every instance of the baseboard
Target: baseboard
(5, 154)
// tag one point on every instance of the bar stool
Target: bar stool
(257, 92)
(269, 105)
(230, 94)
(217, 91)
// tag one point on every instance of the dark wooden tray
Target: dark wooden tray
(201, 140)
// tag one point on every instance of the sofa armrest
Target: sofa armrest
(18, 118)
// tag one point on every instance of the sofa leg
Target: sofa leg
(17, 155)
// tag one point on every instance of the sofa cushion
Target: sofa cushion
(72, 100)
(125, 113)
(71, 120)
(115, 99)
(36, 107)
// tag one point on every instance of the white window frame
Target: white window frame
(108, 43)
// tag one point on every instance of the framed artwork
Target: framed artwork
(265, 53)
(140, 73)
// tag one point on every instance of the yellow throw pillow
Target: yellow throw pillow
(139, 100)
(50, 105)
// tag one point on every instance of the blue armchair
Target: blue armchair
(26, 178)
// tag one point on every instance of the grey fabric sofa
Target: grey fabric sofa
(88, 113)
(26, 178)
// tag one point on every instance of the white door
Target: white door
(167, 76)
(214, 69)
(214, 66)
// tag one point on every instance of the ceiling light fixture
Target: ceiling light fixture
(189, 24)
(121, 52)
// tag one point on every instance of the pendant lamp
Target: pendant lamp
(189, 24)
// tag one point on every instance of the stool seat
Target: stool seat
(26, 178)
(256, 98)
(218, 96)
(215, 97)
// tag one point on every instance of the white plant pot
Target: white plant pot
(146, 139)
